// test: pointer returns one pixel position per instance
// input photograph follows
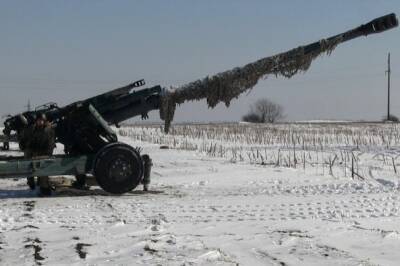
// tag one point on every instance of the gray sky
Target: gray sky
(63, 51)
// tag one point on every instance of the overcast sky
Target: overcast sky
(63, 51)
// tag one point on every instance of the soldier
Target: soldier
(39, 140)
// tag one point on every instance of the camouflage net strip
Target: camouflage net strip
(225, 86)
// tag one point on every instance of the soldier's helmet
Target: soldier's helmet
(42, 116)
(41, 120)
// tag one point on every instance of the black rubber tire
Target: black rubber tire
(118, 168)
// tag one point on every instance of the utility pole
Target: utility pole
(388, 71)
(28, 106)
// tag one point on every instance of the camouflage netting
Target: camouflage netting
(225, 86)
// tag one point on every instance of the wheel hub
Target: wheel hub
(120, 169)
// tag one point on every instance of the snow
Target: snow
(210, 210)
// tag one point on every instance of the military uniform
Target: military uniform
(38, 140)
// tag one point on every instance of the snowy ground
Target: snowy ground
(204, 210)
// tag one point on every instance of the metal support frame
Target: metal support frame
(19, 167)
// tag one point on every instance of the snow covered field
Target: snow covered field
(225, 195)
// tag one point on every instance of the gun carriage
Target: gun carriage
(90, 145)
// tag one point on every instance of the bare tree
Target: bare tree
(251, 117)
(392, 118)
(264, 111)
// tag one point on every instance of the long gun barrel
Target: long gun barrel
(225, 86)
(377, 25)
(123, 103)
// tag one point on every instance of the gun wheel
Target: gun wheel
(118, 168)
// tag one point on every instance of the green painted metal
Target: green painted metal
(100, 120)
(15, 167)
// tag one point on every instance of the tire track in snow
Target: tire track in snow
(349, 188)
(271, 259)
(353, 208)
(302, 246)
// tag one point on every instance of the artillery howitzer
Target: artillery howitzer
(91, 146)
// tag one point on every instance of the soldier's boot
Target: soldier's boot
(80, 182)
(31, 183)
(44, 185)
(147, 164)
